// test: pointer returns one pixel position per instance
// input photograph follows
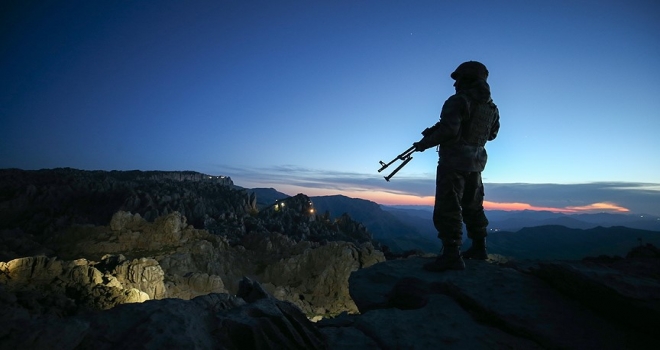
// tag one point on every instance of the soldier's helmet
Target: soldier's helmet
(470, 69)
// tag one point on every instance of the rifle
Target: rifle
(405, 157)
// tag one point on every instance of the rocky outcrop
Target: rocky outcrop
(43, 202)
(131, 235)
(48, 285)
(170, 258)
(522, 305)
(250, 320)
(297, 218)
(317, 279)
(530, 305)
(184, 234)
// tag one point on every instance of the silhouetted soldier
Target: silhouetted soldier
(468, 120)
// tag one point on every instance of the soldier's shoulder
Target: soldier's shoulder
(458, 99)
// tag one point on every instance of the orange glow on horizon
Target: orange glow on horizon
(389, 198)
(522, 206)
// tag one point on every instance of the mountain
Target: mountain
(515, 220)
(266, 196)
(421, 220)
(389, 230)
(399, 234)
(559, 242)
(548, 235)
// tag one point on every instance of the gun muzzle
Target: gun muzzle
(405, 157)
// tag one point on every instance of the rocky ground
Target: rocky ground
(598, 303)
(602, 303)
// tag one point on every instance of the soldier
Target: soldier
(468, 120)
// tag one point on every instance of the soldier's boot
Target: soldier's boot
(477, 251)
(449, 260)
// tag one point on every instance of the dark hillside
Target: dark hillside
(559, 242)
(386, 228)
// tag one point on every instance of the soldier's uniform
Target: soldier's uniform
(468, 120)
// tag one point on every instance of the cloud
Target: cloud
(600, 207)
(570, 198)
(601, 196)
(594, 207)
(488, 205)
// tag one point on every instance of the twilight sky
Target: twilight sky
(308, 96)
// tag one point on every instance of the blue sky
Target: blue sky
(308, 96)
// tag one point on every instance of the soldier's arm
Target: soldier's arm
(449, 126)
(496, 126)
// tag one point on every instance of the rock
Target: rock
(45, 201)
(48, 285)
(267, 323)
(31, 270)
(633, 301)
(143, 274)
(486, 306)
(184, 262)
(193, 285)
(123, 220)
(213, 321)
(317, 279)
(15, 243)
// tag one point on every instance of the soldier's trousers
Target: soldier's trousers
(459, 197)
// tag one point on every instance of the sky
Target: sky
(308, 96)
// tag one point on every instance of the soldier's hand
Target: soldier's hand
(419, 146)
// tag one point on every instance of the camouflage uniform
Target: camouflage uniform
(468, 120)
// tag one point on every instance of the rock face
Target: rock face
(169, 258)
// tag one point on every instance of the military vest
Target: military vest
(477, 127)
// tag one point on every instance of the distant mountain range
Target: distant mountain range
(399, 235)
(515, 220)
(518, 234)
(559, 242)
